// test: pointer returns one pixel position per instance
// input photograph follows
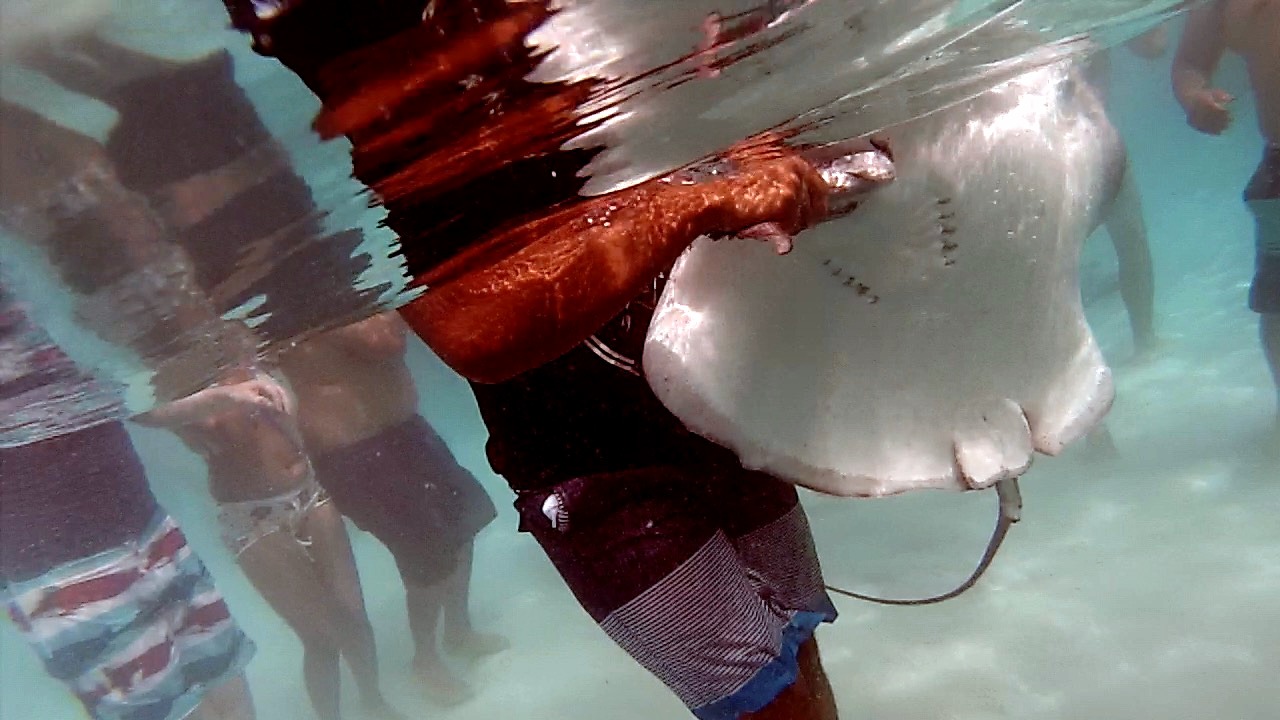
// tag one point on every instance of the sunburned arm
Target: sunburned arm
(533, 292)
(190, 410)
(1199, 52)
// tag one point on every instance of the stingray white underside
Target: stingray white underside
(934, 338)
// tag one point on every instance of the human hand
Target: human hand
(260, 393)
(1207, 110)
(774, 187)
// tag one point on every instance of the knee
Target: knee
(421, 573)
(318, 650)
(1269, 326)
(356, 623)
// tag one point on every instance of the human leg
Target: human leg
(1128, 232)
(136, 632)
(282, 572)
(425, 572)
(459, 635)
(1269, 326)
(330, 549)
(816, 674)
(808, 698)
(229, 701)
(424, 603)
(405, 488)
(1263, 199)
(770, 531)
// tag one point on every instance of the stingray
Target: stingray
(459, 129)
(933, 338)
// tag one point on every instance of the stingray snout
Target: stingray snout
(851, 175)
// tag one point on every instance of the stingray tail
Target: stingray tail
(1010, 513)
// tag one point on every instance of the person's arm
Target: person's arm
(374, 338)
(526, 295)
(530, 294)
(1197, 58)
(256, 394)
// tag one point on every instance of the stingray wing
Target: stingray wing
(933, 338)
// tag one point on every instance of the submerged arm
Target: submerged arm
(252, 395)
(1198, 54)
(189, 410)
(530, 294)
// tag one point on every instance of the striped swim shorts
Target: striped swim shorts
(137, 633)
(707, 576)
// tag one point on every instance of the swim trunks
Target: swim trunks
(69, 497)
(702, 571)
(1263, 198)
(138, 632)
(706, 575)
(404, 486)
(246, 522)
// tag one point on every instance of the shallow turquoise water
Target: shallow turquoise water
(1143, 587)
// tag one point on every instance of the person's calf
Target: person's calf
(229, 701)
(808, 698)
(816, 675)
(458, 635)
(800, 701)
(1269, 329)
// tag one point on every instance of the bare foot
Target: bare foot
(443, 687)
(382, 710)
(476, 646)
(1147, 350)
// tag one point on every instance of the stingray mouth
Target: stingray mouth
(852, 170)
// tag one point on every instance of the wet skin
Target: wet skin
(465, 155)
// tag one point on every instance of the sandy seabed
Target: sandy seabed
(1141, 586)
